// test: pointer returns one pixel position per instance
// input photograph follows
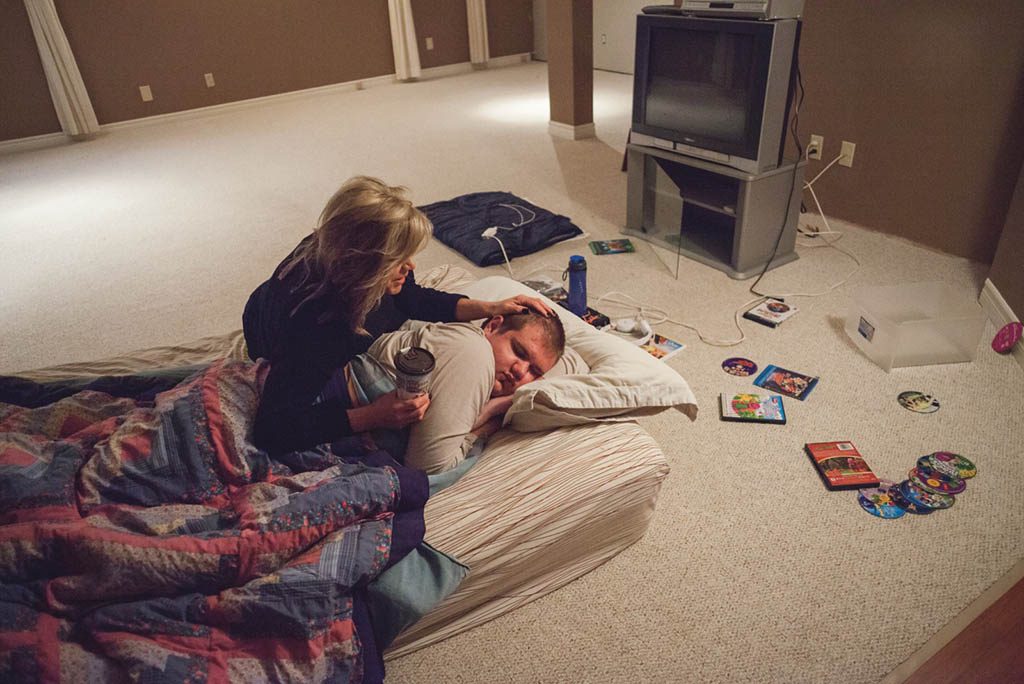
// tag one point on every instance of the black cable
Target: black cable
(794, 123)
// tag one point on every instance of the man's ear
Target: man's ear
(492, 324)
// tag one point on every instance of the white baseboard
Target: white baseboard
(1000, 313)
(52, 139)
(466, 67)
(446, 70)
(563, 130)
(509, 60)
(34, 142)
(361, 84)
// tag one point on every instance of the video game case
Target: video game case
(547, 287)
(770, 312)
(840, 465)
(621, 246)
(783, 381)
(591, 316)
(749, 407)
(661, 347)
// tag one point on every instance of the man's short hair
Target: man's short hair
(553, 331)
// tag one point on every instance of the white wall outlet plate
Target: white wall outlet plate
(209, 80)
(815, 146)
(846, 153)
(146, 92)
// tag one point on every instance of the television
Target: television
(716, 89)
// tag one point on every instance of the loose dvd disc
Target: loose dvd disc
(938, 485)
(918, 402)
(1007, 336)
(739, 366)
(906, 504)
(965, 468)
(946, 467)
(922, 497)
(878, 500)
(927, 471)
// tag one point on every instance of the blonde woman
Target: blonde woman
(347, 282)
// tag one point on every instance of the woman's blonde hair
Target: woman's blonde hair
(365, 231)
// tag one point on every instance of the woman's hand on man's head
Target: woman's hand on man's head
(473, 309)
(521, 304)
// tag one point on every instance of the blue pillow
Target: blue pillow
(407, 590)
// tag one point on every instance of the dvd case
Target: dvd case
(661, 347)
(600, 247)
(753, 408)
(840, 465)
(770, 312)
(790, 383)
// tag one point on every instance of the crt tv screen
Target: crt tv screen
(710, 83)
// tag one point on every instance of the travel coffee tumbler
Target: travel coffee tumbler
(413, 366)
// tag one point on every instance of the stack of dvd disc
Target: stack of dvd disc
(931, 485)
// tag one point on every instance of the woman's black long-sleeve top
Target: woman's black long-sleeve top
(304, 352)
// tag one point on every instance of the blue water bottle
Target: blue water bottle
(577, 270)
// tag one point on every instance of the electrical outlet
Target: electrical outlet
(430, 43)
(146, 92)
(815, 146)
(604, 39)
(846, 153)
(209, 80)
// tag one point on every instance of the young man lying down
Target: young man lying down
(477, 369)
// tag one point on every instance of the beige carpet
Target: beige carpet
(751, 570)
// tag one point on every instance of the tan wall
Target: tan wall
(25, 105)
(447, 22)
(1007, 272)
(932, 94)
(253, 49)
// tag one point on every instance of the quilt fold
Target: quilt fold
(148, 539)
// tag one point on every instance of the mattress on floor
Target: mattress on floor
(537, 511)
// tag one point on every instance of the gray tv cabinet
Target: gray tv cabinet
(717, 215)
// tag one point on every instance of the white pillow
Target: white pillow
(624, 381)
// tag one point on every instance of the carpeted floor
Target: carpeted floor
(751, 570)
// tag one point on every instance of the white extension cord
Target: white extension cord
(492, 232)
(653, 316)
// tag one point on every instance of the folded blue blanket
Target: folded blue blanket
(522, 227)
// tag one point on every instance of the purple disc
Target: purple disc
(739, 366)
(935, 484)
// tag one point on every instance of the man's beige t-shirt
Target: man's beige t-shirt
(460, 386)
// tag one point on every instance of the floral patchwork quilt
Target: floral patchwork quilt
(149, 540)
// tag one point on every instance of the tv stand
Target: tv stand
(717, 215)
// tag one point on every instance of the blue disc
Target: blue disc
(879, 501)
(906, 504)
(924, 498)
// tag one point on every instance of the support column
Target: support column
(570, 29)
